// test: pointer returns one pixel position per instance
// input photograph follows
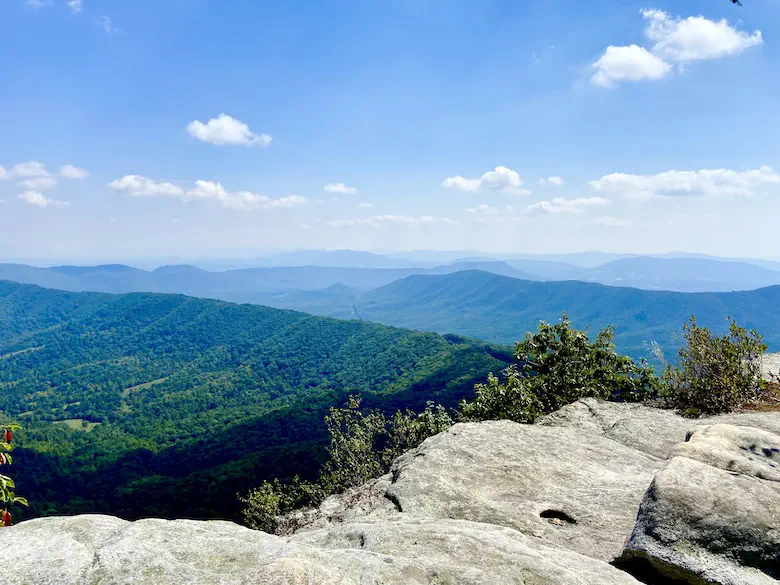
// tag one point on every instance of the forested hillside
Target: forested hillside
(501, 309)
(128, 401)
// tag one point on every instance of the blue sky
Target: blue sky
(204, 128)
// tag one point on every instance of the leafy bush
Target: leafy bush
(715, 374)
(556, 366)
(7, 496)
(266, 507)
(363, 445)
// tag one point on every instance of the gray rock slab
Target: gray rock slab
(709, 516)
(578, 490)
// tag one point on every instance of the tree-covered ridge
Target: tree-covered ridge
(501, 309)
(194, 394)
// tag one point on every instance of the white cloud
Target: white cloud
(38, 199)
(561, 205)
(380, 220)
(631, 63)
(32, 168)
(675, 41)
(340, 188)
(500, 179)
(684, 40)
(39, 183)
(76, 6)
(105, 22)
(38, 3)
(609, 221)
(554, 181)
(71, 172)
(138, 186)
(365, 205)
(710, 182)
(226, 130)
(241, 199)
(484, 210)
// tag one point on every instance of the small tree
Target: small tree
(556, 366)
(7, 485)
(363, 445)
(715, 374)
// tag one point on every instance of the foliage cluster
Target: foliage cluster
(556, 366)
(715, 374)
(7, 485)
(363, 444)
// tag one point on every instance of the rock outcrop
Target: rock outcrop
(712, 514)
(771, 366)
(577, 490)
(667, 500)
(102, 550)
(650, 430)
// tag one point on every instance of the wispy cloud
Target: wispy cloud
(76, 6)
(382, 220)
(484, 210)
(32, 168)
(609, 221)
(71, 172)
(711, 182)
(37, 4)
(340, 188)
(38, 199)
(108, 26)
(138, 186)
(500, 179)
(561, 205)
(39, 183)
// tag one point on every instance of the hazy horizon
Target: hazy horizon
(424, 256)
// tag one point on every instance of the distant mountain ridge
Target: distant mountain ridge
(502, 309)
(683, 274)
(231, 285)
(366, 271)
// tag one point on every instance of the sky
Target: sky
(206, 128)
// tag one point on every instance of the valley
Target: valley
(153, 394)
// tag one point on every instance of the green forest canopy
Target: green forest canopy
(129, 401)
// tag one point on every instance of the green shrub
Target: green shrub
(7, 485)
(556, 366)
(715, 374)
(363, 445)
(267, 506)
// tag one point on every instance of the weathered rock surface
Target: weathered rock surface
(650, 430)
(712, 514)
(101, 550)
(771, 366)
(574, 489)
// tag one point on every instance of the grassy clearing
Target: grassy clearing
(78, 424)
